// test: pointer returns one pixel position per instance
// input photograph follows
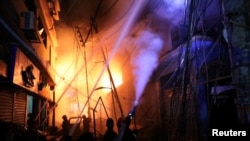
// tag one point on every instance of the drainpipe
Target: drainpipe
(236, 21)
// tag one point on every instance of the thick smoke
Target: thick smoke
(145, 60)
(150, 44)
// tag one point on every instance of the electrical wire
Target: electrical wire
(203, 48)
(134, 50)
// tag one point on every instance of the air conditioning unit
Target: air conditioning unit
(27, 20)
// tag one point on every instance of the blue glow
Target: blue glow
(171, 10)
(203, 52)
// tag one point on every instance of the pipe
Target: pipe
(113, 85)
(93, 20)
(134, 13)
(37, 116)
(99, 99)
(58, 100)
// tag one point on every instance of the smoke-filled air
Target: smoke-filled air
(145, 60)
(149, 45)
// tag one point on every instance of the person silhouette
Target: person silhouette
(31, 123)
(87, 135)
(65, 125)
(32, 133)
(124, 132)
(86, 123)
(110, 134)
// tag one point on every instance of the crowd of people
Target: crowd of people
(124, 132)
(14, 132)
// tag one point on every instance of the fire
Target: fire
(117, 79)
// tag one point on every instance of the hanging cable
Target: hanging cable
(184, 81)
(127, 26)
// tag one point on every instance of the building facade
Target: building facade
(27, 55)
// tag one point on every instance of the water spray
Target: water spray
(127, 25)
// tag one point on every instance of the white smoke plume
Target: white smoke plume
(145, 60)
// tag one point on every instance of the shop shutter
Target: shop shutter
(6, 106)
(20, 108)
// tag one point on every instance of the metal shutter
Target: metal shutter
(6, 106)
(20, 108)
